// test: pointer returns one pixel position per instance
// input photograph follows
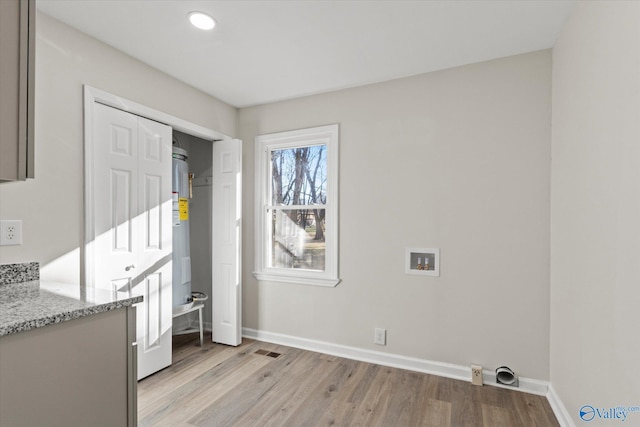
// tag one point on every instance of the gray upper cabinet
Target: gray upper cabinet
(17, 78)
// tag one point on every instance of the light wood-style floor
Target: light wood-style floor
(219, 385)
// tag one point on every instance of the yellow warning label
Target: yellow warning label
(183, 206)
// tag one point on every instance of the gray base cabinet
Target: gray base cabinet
(76, 373)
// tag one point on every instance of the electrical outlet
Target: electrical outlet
(476, 375)
(380, 336)
(10, 232)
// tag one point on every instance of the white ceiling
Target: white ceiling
(265, 51)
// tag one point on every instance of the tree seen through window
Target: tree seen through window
(298, 199)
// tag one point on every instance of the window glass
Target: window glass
(298, 239)
(299, 176)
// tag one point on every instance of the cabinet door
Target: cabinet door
(72, 373)
(17, 72)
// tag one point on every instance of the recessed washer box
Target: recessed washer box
(423, 261)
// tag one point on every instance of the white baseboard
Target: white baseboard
(560, 411)
(448, 370)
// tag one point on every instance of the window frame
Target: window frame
(264, 144)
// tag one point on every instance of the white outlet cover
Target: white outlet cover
(476, 375)
(10, 232)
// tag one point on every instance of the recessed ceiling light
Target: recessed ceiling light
(201, 20)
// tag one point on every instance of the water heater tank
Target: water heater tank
(181, 250)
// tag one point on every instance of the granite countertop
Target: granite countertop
(34, 304)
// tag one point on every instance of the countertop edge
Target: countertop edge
(26, 325)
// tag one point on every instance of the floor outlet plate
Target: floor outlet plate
(476, 375)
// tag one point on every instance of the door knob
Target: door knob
(129, 267)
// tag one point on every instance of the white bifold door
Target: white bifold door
(226, 211)
(129, 229)
(131, 248)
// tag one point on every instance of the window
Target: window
(297, 206)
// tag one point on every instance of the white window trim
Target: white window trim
(328, 135)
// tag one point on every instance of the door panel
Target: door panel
(226, 242)
(152, 211)
(153, 290)
(155, 233)
(121, 220)
(114, 192)
(132, 208)
(226, 295)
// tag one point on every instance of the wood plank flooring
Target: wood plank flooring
(217, 385)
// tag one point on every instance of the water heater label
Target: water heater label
(184, 208)
(175, 209)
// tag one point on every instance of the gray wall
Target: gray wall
(595, 245)
(51, 206)
(457, 159)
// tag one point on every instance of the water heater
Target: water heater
(181, 250)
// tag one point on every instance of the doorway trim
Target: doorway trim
(92, 96)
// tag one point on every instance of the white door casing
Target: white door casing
(226, 244)
(131, 179)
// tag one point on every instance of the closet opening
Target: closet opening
(192, 159)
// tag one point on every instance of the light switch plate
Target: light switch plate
(10, 232)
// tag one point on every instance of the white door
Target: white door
(226, 246)
(131, 192)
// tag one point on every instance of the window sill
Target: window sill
(298, 280)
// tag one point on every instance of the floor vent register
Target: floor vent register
(268, 353)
